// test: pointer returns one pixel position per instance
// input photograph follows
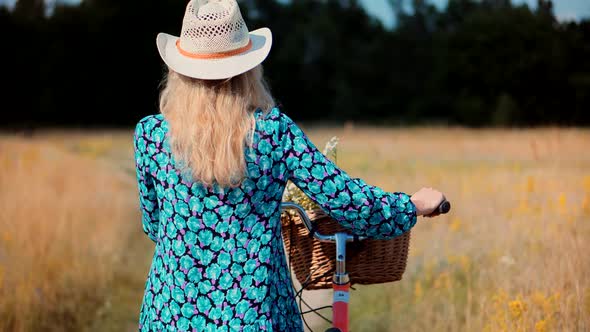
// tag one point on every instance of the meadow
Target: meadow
(511, 255)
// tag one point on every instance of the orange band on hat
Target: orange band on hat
(219, 55)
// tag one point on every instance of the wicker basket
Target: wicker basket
(367, 262)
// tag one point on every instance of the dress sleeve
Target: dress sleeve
(147, 194)
(365, 210)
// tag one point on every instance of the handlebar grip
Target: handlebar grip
(444, 207)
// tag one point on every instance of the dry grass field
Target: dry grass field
(511, 256)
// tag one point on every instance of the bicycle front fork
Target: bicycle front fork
(341, 286)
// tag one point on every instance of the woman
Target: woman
(212, 169)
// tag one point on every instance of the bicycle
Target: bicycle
(341, 280)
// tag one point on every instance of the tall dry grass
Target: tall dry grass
(64, 219)
(513, 253)
(511, 256)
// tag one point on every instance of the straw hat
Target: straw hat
(214, 42)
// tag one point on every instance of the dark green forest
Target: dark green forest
(474, 63)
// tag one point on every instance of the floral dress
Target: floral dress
(219, 262)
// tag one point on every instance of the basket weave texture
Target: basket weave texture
(367, 262)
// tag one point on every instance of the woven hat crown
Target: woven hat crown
(213, 26)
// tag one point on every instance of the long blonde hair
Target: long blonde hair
(211, 123)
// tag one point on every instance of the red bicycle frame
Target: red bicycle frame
(340, 307)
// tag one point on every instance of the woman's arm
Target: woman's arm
(365, 210)
(147, 194)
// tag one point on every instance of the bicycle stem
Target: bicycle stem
(341, 276)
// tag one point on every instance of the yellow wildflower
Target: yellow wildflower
(6, 237)
(524, 207)
(441, 280)
(562, 203)
(539, 299)
(465, 263)
(541, 326)
(455, 225)
(530, 184)
(517, 308)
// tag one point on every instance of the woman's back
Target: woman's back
(219, 262)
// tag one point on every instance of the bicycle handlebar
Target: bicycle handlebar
(308, 223)
(443, 208)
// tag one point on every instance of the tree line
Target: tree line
(473, 63)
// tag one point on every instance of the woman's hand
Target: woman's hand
(427, 200)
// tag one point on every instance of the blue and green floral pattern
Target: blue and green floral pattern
(219, 262)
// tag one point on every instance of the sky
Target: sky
(565, 10)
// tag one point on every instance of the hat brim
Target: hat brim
(214, 69)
